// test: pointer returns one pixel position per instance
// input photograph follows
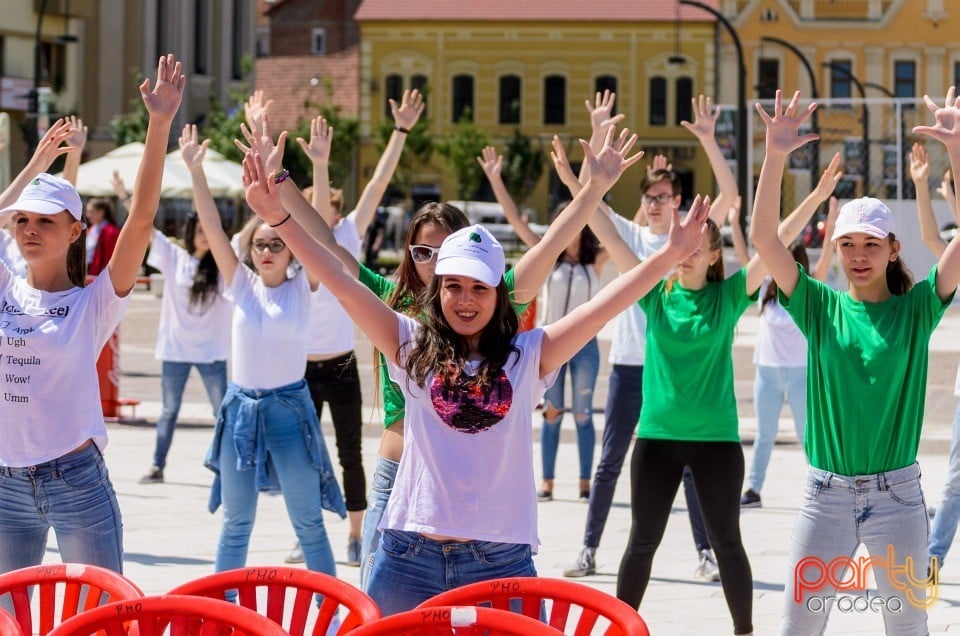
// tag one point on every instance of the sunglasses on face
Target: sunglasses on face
(423, 253)
(274, 245)
(660, 199)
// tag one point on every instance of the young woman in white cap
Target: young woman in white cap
(52, 472)
(867, 368)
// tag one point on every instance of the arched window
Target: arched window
(393, 89)
(684, 110)
(606, 83)
(462, 98)
(510, 99)
(419, 82)
(555, 99)
(658, 101)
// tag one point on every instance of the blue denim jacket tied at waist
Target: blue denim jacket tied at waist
(248, 439)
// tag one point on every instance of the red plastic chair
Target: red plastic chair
(461, 621)
(184, 615)
(8, 624)
(531, 591)
(75, 587)
(277, 581)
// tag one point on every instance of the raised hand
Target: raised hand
(601, 110)
(686, 237)
(705, 117)
(49, 147)
(191, 149)
(491, 162)
(607, 165)
(829, 179)
(783, 127)
(408, 112)
(562, 166)
(259, 140)
(255, 108)
(321, 136)
(163, 100)
(733, 214)
(119, 187)
(259, 189)
(919, 164)
(946, 187)
(947, 126)
(833, 211)
(79, 137)
(659, 163)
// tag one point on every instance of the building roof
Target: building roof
(296, 80)
(533, 10)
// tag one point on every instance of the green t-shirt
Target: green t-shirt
(688, 372)
(866, 374)
(393, 401)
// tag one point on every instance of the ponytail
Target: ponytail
(899, 278)
(77, 260)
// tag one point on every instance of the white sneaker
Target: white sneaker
(707, 570)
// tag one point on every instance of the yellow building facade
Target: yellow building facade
(534, 75)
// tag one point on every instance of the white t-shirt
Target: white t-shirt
(49, 344)
(331, 329)
(269, 349)
(568, 286)
(187, 333)
(467, 465)
(779, 341)
(629, 331)
(10, 254)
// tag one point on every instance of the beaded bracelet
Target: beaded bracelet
(281, 177)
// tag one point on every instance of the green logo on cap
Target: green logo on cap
(475, 237)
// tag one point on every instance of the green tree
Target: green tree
(522, 166)
(461, 150)
(417, 151)
(346, 135)
(132, 125)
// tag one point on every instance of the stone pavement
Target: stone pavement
(170, 537)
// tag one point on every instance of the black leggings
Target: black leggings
(656, 470)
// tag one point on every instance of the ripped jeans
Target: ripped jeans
(583, 367)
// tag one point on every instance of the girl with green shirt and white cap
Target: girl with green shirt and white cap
(867, 370)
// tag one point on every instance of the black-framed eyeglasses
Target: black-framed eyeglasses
(274, 245)
(423, 253)
(660, 199)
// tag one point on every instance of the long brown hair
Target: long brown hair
(715, 271)
(800, 255)
(406, 295)
(899, 278)
(77, 259)
(440, 350)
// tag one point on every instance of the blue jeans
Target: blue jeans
(624, 399)
(74, 496)
(583, 367)
(410, 568)
(769, 388)
(384, 475)
(945, 521)
(299, 481)
(885, 512)
(173, 379)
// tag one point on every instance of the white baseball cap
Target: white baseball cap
(47, 194)
(867, 215)
(473, 252)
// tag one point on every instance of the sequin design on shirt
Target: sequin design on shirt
(468, 408)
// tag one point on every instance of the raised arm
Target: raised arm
(318, 152)
(947, 192)
(704, 127)
(822, 268)
(193, 152)
(405, 117)
(563, 338)
(736, 232)
(601, 119)
(920, 174)
(373, 317)
(947, 130)
(77, 140)
(781, 139)
(48, 149)
(535, 265)
(162, 103)
(492, 162)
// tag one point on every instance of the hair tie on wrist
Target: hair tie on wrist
(285, 219)
(281, 177)
(400, 128)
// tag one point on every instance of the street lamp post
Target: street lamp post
(741, 95)
(814, 119)
(866, 121)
